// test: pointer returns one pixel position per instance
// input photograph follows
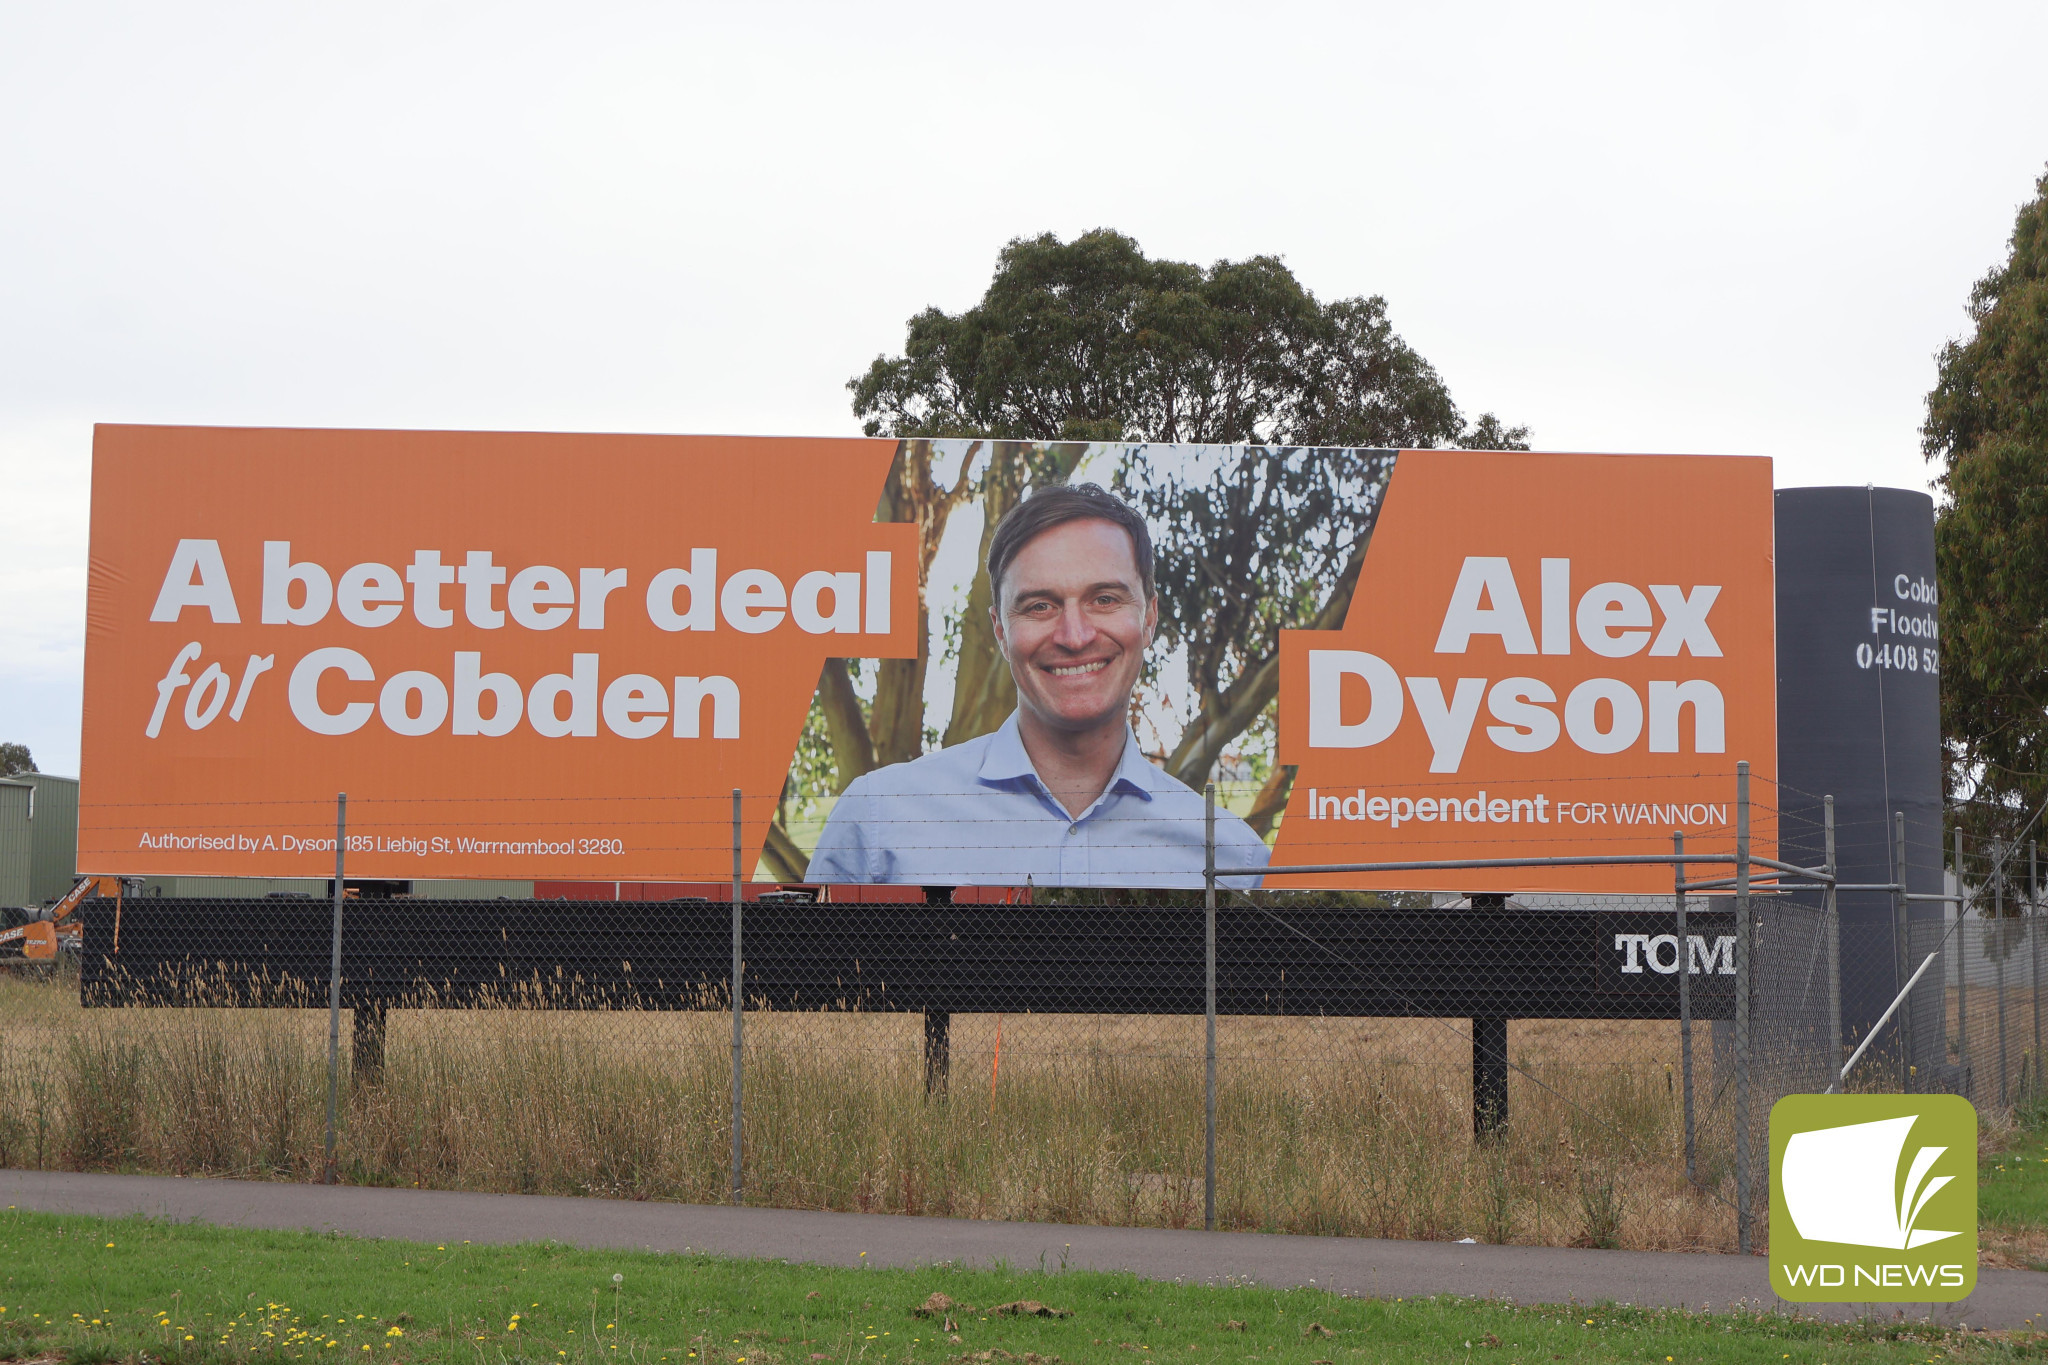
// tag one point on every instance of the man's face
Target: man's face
(1074, 623)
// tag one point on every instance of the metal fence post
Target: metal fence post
(1963, 975)
(1903, 955)
(1209, 975)
(738, 1027)
(1692, 1173)
(1831, 925)
(2034, 940)
(1996, 946)
(334, 982)
(1742, 969)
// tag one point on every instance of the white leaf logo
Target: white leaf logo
(1842, 1185)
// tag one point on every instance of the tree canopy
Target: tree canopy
(15, 760)
(1987, 426)
(1091, 340)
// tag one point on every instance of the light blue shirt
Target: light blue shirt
(977, 814)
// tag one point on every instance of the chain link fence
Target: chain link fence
(1550, 1066)
(1976, 1012)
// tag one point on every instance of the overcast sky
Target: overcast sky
(1728, 229)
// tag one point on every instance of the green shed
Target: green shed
(17, 843)
(53, 835)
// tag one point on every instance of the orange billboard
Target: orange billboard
(551, 656)
(524, 655)
(1546, 656)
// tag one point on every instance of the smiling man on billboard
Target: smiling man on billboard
(1060, 794)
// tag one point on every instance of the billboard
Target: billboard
(557, 656)
(1546, 656)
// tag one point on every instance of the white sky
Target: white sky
(1737, 229)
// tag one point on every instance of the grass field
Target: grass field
(2012, 1191)
(98, 1290)
(1354, 1126)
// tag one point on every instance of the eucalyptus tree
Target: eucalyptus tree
(1987, 427)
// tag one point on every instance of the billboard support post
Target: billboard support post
(738, 1026)
(1831, 925)
(334, 981)
(1685, 1008)
(1743, 959)
(1209, 982)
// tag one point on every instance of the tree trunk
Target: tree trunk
(846, 726)
(894, 725)
(983, 692)
(896, 721)
(1222, 719)
(1225, 717)
(1271, 800)
(785, 859)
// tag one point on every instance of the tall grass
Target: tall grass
(1354, 1127)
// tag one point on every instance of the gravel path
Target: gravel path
(1359, 1266)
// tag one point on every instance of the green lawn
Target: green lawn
(2012, 1186)
(2012, 1193)
(98, 1290)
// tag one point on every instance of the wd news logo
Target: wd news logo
(1873, 1198)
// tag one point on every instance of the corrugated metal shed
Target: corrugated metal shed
(209, 887)
(472, 891)
(53, 829)
(17, 843)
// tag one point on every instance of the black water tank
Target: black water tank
(1859, 712)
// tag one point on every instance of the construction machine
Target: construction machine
(61, 927)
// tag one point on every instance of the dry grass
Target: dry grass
(1358, 1127)
(1999, 1075)
(2008, 1248)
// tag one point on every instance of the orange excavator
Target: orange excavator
(40, 940)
